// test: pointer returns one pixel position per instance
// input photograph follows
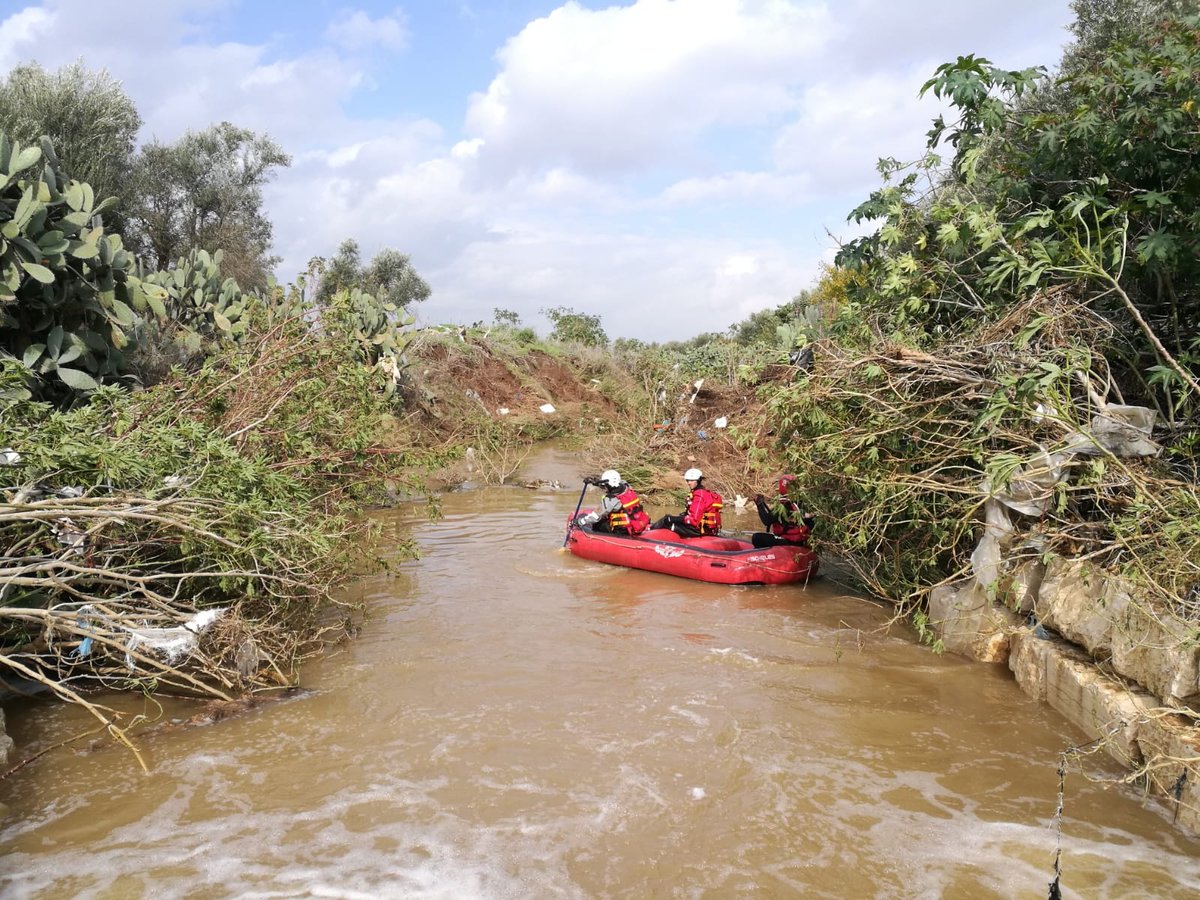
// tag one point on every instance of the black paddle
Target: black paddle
(571, 524)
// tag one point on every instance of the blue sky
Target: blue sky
(671, 166)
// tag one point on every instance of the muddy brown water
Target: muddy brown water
(514, 722)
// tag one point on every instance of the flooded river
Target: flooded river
(514, 722)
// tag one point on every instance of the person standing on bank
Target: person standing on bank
(620, 511)
(703, 513)
(783, 519)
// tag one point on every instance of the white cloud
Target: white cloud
(625, 88)
(358, 31)
(642, 286)
(22, 29)
(844, 128)
(740, 187)
(670, 165)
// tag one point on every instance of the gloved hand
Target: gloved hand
(759, 499)
(591, 479)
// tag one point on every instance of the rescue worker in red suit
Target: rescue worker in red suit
(783, 519)
(703, 513)
(620, 511)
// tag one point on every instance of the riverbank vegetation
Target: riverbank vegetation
(188, 446)
(1025, 312)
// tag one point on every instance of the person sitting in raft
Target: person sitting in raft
(703, 513)
(783, 519)
(620, 511)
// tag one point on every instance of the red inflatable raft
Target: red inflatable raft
(721, 560)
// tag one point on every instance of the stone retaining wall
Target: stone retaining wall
(6, 743)
(1075, 638)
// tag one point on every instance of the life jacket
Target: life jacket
(704, 511)
(630, 516)
(794, 531)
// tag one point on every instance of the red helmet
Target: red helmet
(785, 482)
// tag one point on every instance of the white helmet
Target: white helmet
(693, 475)
(610, 477)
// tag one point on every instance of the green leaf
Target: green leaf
(156, 305)
(80, 381)
(32, 354)
(82, 250)
(1156, 198)
(25, 159)
(124, 314)
(1158, 245)
(93, 340)
(74, 196)
(39, 273)
(24, 208)
(72, 353)
(54, 341)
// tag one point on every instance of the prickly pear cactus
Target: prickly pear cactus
(376, 330)
(207, 308)
(69, 299)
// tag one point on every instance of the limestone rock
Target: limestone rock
(970, 624)
(1156, 650)
(1071, 601)
(1066, 679)
(6, 743)
(1020, 587)
(1170, 744)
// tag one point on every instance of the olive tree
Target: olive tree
(575, 327)
(205, 192)
(389, 277)
(87, 116)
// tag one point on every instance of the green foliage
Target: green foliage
(69, 299)
(1096, 193)
(277, 426)
(374, 330)
(1101, 24)
(205, 308)
(205, 191)
(763, 327)
(87, 117)
(891, 443)
(390, 277)
(571, 327)
(506, 318)
(1051, 265)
